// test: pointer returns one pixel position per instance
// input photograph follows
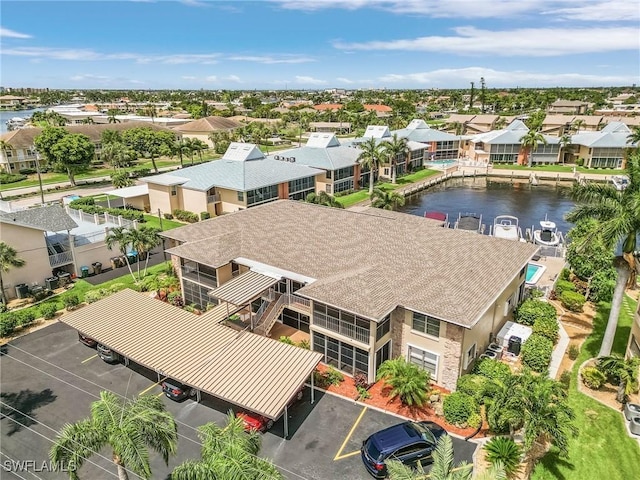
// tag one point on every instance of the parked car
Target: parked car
(176, 390)
(89, 342)
(256, 422)
(106, 354)
(408, 442)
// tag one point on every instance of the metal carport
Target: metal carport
(254, 372)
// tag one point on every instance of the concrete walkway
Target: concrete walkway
(558, 352)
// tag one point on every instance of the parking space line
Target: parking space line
(90, 358)
(339, 455)
(148, 388)
(160, 394)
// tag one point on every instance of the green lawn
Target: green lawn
(362, 195)
(154, 221)
(602, 448)
(558, 168)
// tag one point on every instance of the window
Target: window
(341, 355)
(383, 327)
(296, 320)
(470, 356)
(328, 174)
(383, 354)
(341, 322)
(174, 190)
(262, 195)
(241, 196)
(426, 324)
(425, 359)
(235, 269)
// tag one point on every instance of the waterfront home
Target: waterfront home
(576, 107)
(432, 295)
(12, 102)
(19, 150)
(442, 145)
(602, 149)
(244, 177)
(505, 146)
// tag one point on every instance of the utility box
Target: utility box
(22, 290)
(51, 283)
(64, 278)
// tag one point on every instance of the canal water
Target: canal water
(492, 197)
(7, 114)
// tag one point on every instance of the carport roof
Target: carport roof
(244, 287)
(248, 370)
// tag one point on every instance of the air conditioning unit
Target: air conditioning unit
(489, 354)
(495, 348)
(292, 159)
(276, 157)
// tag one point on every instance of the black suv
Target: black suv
(176, 390)
(407, 442)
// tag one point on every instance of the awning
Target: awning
(254, 372)
(130, 192)
(244, 288)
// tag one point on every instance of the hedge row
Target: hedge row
(123, 212)
(185, 216)
(9, 321)
(531, 310)
(11, 177)
(536, 353)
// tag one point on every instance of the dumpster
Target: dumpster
(84, 272)
(22, 290)
(51, 283)
(97, 267)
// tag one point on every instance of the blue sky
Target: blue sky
(318, 44)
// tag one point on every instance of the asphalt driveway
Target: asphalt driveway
(49, 379)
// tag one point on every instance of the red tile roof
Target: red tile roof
(378, 108)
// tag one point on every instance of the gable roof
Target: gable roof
(209, 124)
(450, 274)
(377, 108)
(322, 140)
(51, 218)
(613, 135)
(376, 131)
(419, 131)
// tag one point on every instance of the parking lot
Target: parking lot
(48, 379)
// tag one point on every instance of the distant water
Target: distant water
(6, 115)
(491, 198)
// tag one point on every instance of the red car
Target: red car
(254, 422)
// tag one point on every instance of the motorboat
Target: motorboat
(469, 221)
(506, 226)
(16, 123)
(620, 182)
(439, 217)
(547, 234)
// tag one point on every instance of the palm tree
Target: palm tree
(619, 217)
(142, 240)
(530, 142)
(118, 235)
(393, 149)
(130, 427)
(634, 137)
(577, 124)
(565, 143)
(370, 158)
(323, 198)
(199, 146)
(501, 122)
(227, 453)
(8, 260)
(111, 116)
(407, 380)
(386, 200)
(117, 154)
(188, 147)
(625, 372)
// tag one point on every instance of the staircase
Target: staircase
(266, 321)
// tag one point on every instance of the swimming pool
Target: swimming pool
(441, 164)
(534, 272)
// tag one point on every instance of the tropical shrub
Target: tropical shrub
(565, 274)
(205, 215)
(363, 393)
(95, 295)
(492, 369)
(473, 385)
(474, 420)
(565, 379)
(530, 310)
(572, 301)
(27, 171)
(70, 301)
(328, 377)
(593, 378)
(458, 407)
(168, 216)
(536, 353)
(185, 216)
(360, 380)
(407, 380)
(547, 327)
(602, 285)
(505, 451)
(11, 177)
(82, 201)
(563, 286)
(140, 172)
(8, 323)
(287, 340)
(48, 310)
(175, 299)
(574, 351)
(304, 344)
(26, 317)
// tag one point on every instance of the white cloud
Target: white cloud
(267, 59)
(188, 77)
(592, 10)
(309, 80)
(211, 78)
(233, 78)
(87, 76)
(194, 3)
(92, 55)
(532, 42)
(344, 80)
(5, 32)
(460, 77)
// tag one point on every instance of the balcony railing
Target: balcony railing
(347, 329)
(60, 259)
(203, 278)
(213, 198)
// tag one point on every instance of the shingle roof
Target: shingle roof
(451, 274)
(244, 167)
(249, 370)
(52, 218)
(209, 124)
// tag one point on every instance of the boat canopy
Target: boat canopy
(547, 225)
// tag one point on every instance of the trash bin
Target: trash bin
(22, 290)
(97, 267)
(133, 257)
(84, 272)
(51, 283)
(64, 278)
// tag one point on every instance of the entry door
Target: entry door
(384, 353)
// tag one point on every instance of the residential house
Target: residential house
(602, 149)
(576, 107)
(244, 177)
(472, 124)
(324, 272)
(442, 145)
(382, 111)
(335, 127)
(52, 241)
(19, 150)
(11, 101)
(505, 146)
(201, 129)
